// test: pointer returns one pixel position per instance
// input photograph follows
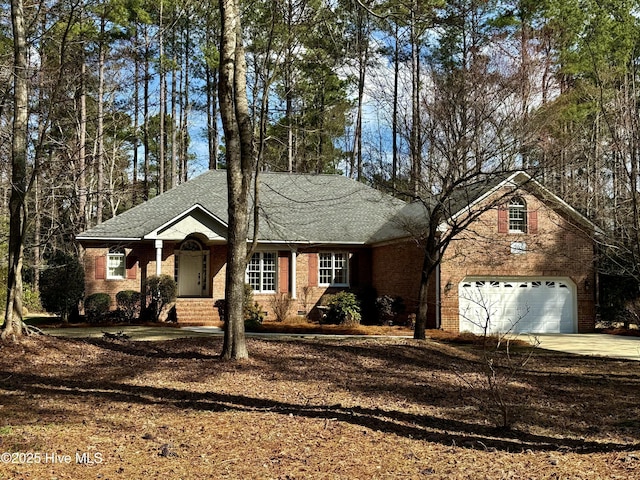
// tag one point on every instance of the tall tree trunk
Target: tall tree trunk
(163, 106)
(212, 108)
(100, 127)
(396, 96)
(37, 251)
(362, 47)
(234, 109)
(186, 110)
(12, 326)
(212, 104)
(288, 88)
(145, 108)
(415, 143)
(430, 262)
(212, 118)
(174, 132)
(82, 148)
(136, 116)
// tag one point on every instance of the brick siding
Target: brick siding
(396, 271)
(559, 249)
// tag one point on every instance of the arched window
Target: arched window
(191, 246)
(517, 215)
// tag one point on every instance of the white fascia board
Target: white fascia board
(154, 234)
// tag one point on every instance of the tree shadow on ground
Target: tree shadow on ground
(422, 373)
(148, 349)
(415, 426)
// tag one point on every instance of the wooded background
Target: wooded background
(404, 95)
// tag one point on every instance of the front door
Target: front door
(190, 274)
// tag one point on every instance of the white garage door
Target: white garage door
(544, 305)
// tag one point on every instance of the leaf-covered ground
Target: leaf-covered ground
(299, 409)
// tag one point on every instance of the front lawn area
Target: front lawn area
(309, 408)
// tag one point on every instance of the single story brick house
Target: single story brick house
(528, 258)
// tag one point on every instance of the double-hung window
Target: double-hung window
(116, 264)
(517, 216)
(333, 268)
(261, 272)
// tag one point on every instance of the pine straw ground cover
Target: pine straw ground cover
(357, 408)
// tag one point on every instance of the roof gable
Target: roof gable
(195, 220)
(516, 180)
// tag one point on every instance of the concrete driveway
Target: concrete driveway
(595, 344)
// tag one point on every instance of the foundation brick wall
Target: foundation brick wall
(560, 248)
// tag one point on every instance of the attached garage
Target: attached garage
(517, 305)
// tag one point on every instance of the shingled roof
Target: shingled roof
(301, 209)
(294, 208)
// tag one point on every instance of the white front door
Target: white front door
(190, 274)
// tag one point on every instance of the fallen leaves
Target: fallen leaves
(358, 408)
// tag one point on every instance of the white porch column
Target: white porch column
(294, 270)
(158, 257)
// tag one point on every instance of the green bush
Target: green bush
(61, 284)
(344, 309)
(96, 307)
(128, 302)
(160, 291)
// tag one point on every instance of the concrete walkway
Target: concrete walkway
(134, 332)
(169, 333)
(594, 344)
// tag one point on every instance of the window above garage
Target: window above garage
(516, 218)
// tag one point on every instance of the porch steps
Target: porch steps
(196, 312)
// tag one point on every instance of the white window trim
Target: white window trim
(261, 272)
(122, 256)
(333, 269)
